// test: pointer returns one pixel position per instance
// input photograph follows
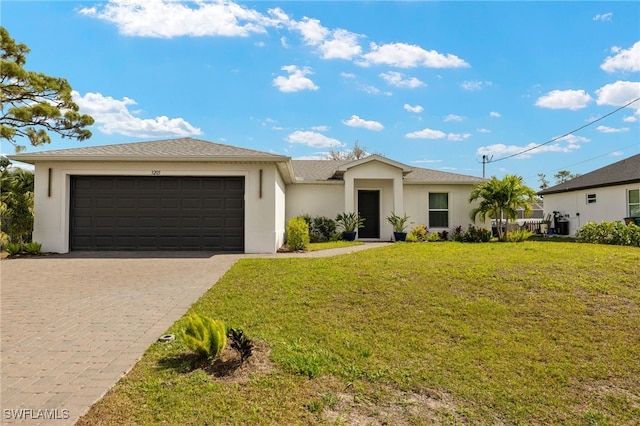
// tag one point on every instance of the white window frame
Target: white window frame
(591, 198)
(437, 210)
(629, 204)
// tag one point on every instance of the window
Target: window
(634, 202)
(591, 198)
(438, 210)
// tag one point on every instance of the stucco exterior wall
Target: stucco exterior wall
(611, 205)
(322, 199)
(51, 209)
(416, 201)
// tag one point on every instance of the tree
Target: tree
(564, 175)
(355, 153)
(34, 103)
(16, 205)
(500, 198)
(544, 182)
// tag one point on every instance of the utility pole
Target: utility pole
(485, 160)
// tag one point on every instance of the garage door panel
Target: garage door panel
(157, 213)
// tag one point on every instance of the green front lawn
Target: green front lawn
(416, 334)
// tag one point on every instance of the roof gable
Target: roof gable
(620, 173)
(325, 170)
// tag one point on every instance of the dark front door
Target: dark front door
(157, 213)
(369, 209)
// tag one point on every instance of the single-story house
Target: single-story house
(611, 193)
(190, 194)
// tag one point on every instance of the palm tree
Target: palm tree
(501, 198)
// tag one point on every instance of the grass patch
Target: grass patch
(333, 245)
(408, 334)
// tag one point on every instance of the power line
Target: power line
(566, 134)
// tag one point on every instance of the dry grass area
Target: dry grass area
(534, 333)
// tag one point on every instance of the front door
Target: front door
(369, 209)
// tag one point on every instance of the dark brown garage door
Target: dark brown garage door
(157, 213)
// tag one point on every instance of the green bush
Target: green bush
(297, 234)
(433, 237)
(615, 232)
(420, 232)
(411, 238)
(321, 228)
(204, 336)
(476, 235)
(33, 247)
(518, 236)
(13, 248)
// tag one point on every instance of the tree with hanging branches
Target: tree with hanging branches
(500, 198)
(34, 104)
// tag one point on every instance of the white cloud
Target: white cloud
(295, 81)
(313, 139)
(605, 129)
(572, 139)
(166, 19)
(458, 136)
(320, 128)
(356, 121)
(313, 32)
(495, 114)
(453, 117)
(437, 134)
(502, 150)
(426, 134)
(404, 55)
(603, 16)
(623, 60)
(620, 93)
(397, 79)
(616, 153)
(564, 99)
(375, 91)
(426, 161)
(347, 75)
(475, 85)
(483, 130)
(417, 109)
(113, 117)
(283, 42)
(630, 119)
(342, 45)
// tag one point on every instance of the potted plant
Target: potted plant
(349, 223)
(399, 224)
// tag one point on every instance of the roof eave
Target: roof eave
(32, 159)
(581, 188)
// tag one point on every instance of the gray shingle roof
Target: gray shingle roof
(620, 173)
(323, 170)
(181, 148)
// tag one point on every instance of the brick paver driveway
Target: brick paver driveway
(72, 326)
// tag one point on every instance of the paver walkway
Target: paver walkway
(72, 325)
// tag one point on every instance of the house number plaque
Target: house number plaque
(155, 172)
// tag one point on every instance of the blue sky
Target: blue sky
(429, 84)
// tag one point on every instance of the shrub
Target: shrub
(411, 238)
(457, 233)
(204, 336)
(33, 247)
(322, 229)
(610, 233)
(476, 235)
(13, 248)
(241, 343)
(444, 235)
(518, 236)
(420, 232)
(297, 234)
(433, 237)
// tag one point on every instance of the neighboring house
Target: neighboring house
(190, 194)
(611, 193)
